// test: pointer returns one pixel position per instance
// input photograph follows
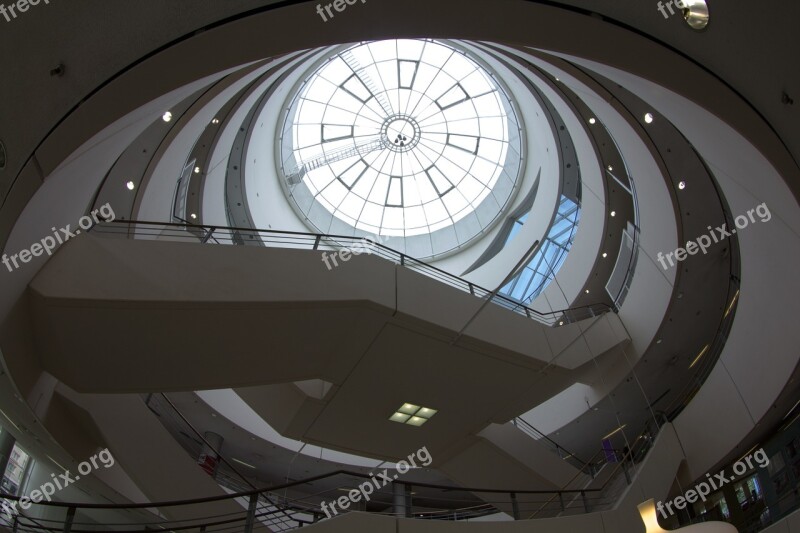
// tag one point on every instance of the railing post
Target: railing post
(514, 505)
(251, 514)
(316, 242)
(561, 500)
(402, 259)
(68, 521)
(208, 235)
(471, 289)
(585, 501)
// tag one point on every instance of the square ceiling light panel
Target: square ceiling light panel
(413, 415)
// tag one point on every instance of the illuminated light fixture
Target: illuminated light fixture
(197, 170)
(615, 432)
(194, 216)
(789, 423)
(561, 323)
(789, 411)
(215, 121)
(587, 291)
(12, 422)
(695, 12)
(733, 301)
(647, 511)
(648, 117)
(130, 185)
(592, 120)
(613, 213)
(413, 415)
(682, 185)
(701, 354)
(57, 463)
(166, 117)
(610, 168)
(242, 462)
(605, 255)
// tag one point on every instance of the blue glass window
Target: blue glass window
(544, 265)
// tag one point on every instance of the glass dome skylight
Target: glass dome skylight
(401, 138)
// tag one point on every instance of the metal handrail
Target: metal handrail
(296, 238)
(254, 494)
(526, 427)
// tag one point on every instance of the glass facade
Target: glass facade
(542, 268)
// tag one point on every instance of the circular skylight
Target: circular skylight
(401, 138)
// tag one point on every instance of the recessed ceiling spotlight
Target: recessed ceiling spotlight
(197, 170)
(682, 185)
(613, 213)
(561, 323)
(592, 120)
(215, 121)
(605, 255)
(648, 117)
(166, 117)
(610, 168)
(130, 185)
(194, 217)
(587, 291)
(696, 13)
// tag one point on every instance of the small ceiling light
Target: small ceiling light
(413, 415)
(613, 213)
(194, 217)
(166, 117)
(561, 323)
(587, 291)
(130, 185)
(610, 168)
(215, 121)
(696, 13)
(592, 120)
(197, 170)
(648, 117)
(682, 185)
(605, 255)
